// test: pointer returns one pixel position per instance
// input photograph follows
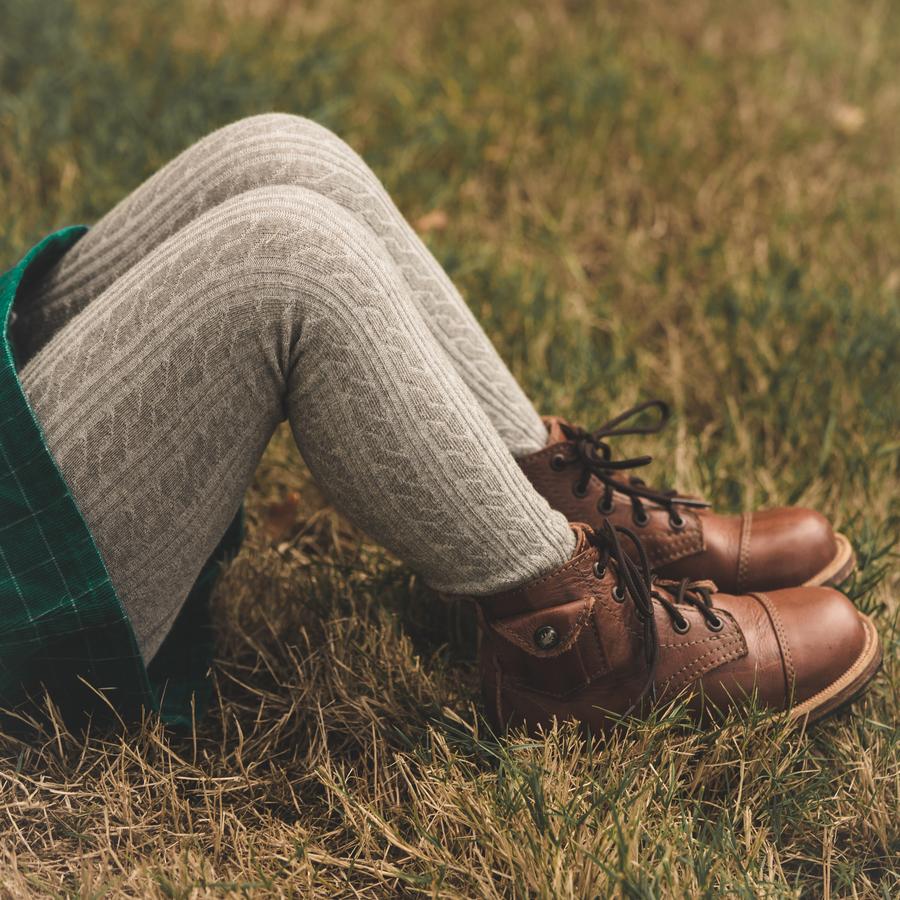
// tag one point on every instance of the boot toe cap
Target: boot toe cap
(789, 547)
(822, 637)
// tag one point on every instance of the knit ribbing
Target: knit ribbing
(158, 398)
(283, 149)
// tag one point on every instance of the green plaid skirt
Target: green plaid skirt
(63, 630)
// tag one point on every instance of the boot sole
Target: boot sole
(839, 568)
(850, 685)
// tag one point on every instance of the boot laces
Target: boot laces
(594, 455)
(687, 593)
(635, 581)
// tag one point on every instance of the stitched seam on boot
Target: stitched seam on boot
(744, 552)
(665, 548)
(732, 639)
(607, 605)
(732, 650)
(519, 592)
(576, 649)
(600, 646)
(706, 640)
(701, 666)
(790, 673)
(524, 644)
(524, 687)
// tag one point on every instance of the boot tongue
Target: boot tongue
(581, 536)
(669, 586)
(555, 432)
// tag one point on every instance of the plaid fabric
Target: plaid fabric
(63, 630)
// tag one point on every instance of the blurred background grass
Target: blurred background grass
(694, 200)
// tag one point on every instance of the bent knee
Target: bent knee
(261, 126)
(281, 148)
(293, 262)
(291, 227)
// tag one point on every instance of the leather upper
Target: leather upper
(757, 551)
(785, 646)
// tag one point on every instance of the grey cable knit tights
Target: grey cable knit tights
(265, 273)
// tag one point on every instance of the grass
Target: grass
(694, 200)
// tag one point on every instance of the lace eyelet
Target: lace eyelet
(618, 594)
(606, 509)
(718, 625)
(641, 520)
(599, 571)
(579, 493)
(676, 521)
(682, 627)
(557, 462)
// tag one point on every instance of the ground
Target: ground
(698, 201)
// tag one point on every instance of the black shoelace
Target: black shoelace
(691, 593)
(594, 455)
(634, 580)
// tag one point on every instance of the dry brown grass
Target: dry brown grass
(696, 200)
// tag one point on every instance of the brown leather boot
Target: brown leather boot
(599, 638)
(683, 538)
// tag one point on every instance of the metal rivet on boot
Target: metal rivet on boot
(546, 637)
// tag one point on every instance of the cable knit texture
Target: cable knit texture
(158, 398)
(282, 149)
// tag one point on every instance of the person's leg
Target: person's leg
(159, 397)
(284, 149)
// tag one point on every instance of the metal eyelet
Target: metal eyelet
(599, 571)
(641, 520)
(718, 625)
(676, 521)
(579, 493)
(682, 627)
(606, 509)
(546, 637)
(618, 594)
(557, 462)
